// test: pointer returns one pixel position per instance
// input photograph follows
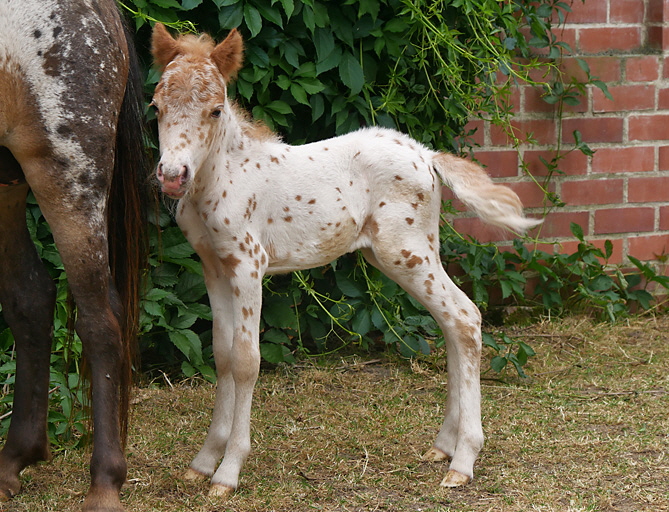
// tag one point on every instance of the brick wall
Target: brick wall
(622, 192)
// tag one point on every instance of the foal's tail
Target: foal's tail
(494, 204)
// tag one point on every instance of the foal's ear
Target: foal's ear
(164, 47)
(229, 54)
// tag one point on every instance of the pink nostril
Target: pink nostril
(159, 172)
(183, 176)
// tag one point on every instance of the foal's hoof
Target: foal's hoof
(435, 455)
(193, 475)
(455, 479)
(220, 491)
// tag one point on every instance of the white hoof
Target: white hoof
(435, 455)
(220, 491)
(193, 475)
(455, 479)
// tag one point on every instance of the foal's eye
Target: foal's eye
(216, 113)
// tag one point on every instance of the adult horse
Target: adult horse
(70, 131)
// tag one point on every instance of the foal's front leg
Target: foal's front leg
(244, 361)
(220, 298)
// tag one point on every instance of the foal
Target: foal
(252, 205)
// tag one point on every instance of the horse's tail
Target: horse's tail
(494, 204)
(126, 220)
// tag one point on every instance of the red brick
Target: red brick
(625, 98)
(663, 99)
(606, 39)
(571, 164)
(583, 192)
(588, 12)
(607, 69)
(664, 159)
(533, 100)
(642, 69)
(654, 36)
(648, 189)
(664, 217)
(556, 224)
(624, 159)
(499, 164)
(626, 11)
(651, 127)
(541, 130)
(665, 67)
(655, 11)
(477, 126)
(596, 129)
(624, 220)
(531, 195)
(647, 248)
(474, 227)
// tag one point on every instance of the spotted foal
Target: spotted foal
(251, 205)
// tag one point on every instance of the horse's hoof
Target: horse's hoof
(102, 501)
(455, 479)
(220, 491)
(435, 455)
(193, 475)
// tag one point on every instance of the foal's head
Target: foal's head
(189, 100)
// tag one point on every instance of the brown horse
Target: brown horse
(70, 131)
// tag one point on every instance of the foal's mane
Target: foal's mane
(253, 128)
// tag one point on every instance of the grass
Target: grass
(588, 431)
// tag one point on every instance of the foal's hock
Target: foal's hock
(252, 205)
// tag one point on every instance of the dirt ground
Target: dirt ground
(587, 431)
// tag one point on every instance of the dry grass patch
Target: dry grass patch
(587, 432)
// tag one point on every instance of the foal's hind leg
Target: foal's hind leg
(27, 295)
(415, 265)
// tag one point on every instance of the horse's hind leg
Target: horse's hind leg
(414, 264)
(27, 295)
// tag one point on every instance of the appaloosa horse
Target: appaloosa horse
(70, 131)
(251, 205)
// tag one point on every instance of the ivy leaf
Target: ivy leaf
(277, 312)
(288, 7)
(253, 19)
(349, 287)
(187, 5)
(188, 343)
(498, 363)
(299, 93)
(324, 43)
(270, 13)
(362, 322)
(351, 73)
(231, 16)
(167, 4)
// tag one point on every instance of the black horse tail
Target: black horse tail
(127, 222)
